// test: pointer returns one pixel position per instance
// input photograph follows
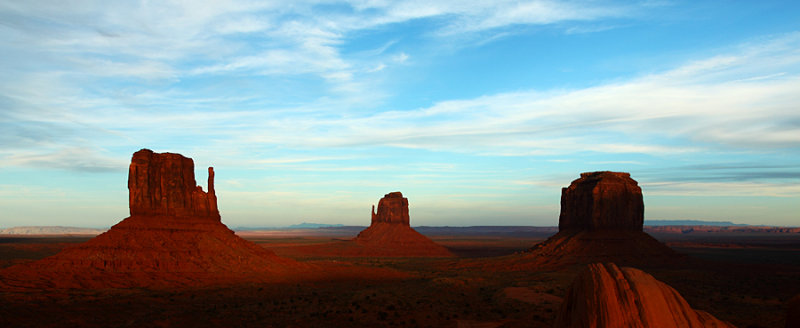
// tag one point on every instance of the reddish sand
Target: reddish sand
(733, 284)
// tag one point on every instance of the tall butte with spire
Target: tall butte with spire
(390, 233)
(164, 184)
(174, 236)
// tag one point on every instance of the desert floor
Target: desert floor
(741, 278)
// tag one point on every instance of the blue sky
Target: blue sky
(478, 111)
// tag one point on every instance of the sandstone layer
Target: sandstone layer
(392, 208)
(604, 295)
(164, 184)
(602, 201)
(174, 236)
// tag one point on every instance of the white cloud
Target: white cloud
(74, 159)
(716, 189)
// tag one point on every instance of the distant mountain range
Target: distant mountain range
(51, 230)
(682, 226)
(306, 225)
(692, 223)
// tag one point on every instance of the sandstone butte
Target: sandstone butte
(174, 236)
(602, 215)
(390, 233)
(604, 295)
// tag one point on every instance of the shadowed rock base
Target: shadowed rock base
(604, 295)
(793, 312)
(386, 239)
(155, 251)
(580, 247)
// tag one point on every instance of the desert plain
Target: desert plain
(744, 277)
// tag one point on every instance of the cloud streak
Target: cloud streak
(702, 105)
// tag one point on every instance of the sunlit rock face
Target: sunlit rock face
(164, 184)
(602, 201)
(604, 295)
(392, 208)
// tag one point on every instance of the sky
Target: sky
(478, 111)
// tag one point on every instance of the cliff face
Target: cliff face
(604, 295)
(164, 184)
(392, 208)
(602, 201)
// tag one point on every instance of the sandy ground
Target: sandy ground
(743, 279)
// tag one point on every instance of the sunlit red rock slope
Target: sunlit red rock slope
(606, 296)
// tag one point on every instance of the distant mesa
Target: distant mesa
(602, 215)
(604, 296)
(308, 225)
(173, 236)
(390, 233)
(602, 201)
(659, 223)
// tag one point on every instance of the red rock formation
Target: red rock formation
(601, 220)
(174, 236)
(604, 295)
(392, 208)
(602, 200)
(164, 184)
(391, 235)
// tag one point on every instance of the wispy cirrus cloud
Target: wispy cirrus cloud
(706, 103)
(72, 159)
(742, 100)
